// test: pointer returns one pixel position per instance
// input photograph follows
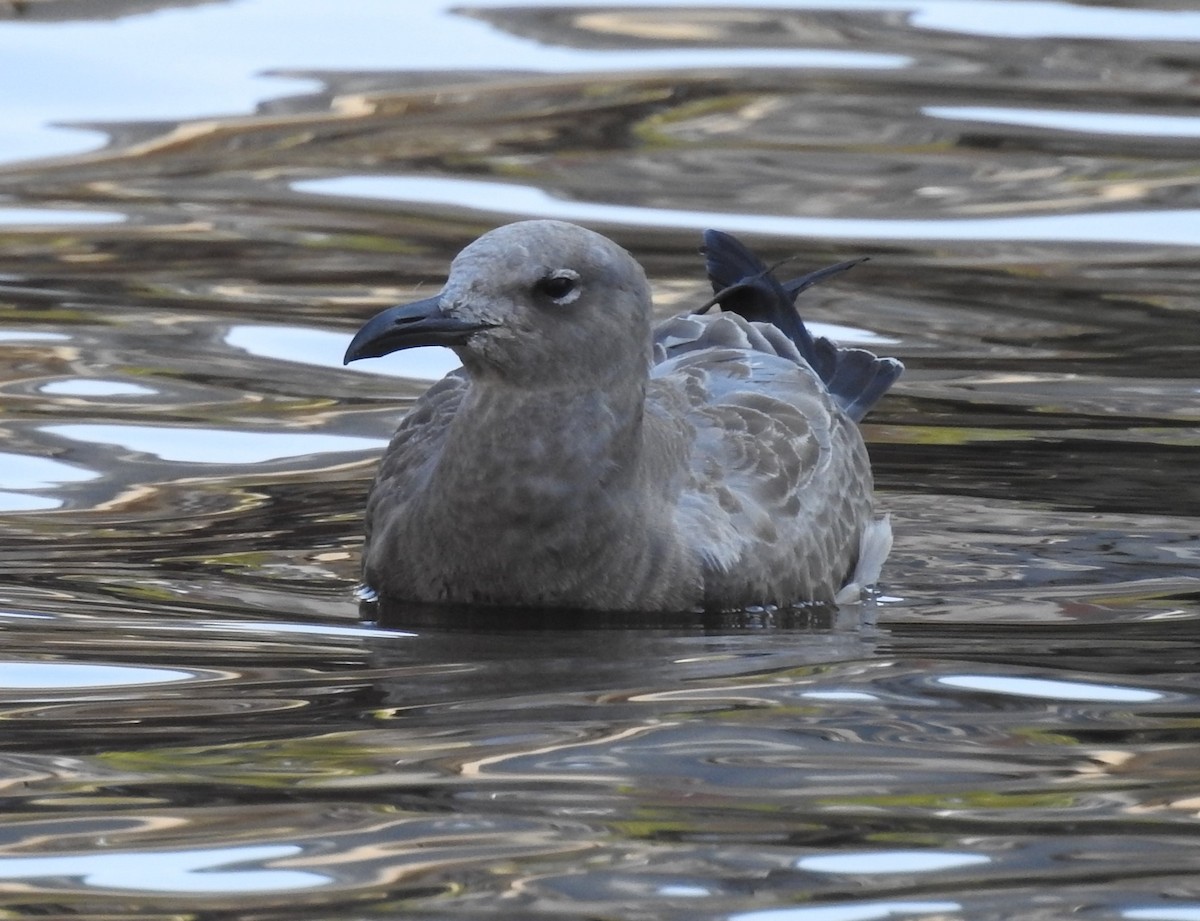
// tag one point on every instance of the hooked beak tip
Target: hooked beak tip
(408, 326)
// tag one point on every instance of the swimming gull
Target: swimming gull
(580, 459)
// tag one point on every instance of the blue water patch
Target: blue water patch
(92, 387)
(325, 349)
(22, 471)
(25, 217)
(55, 676)
(890, 862)
(265, 630)
(847, 911)
(1164, 913)
(195, 871)
(1132, 124)
(1050, 689)
(214, 446)
(24, 335)
(1162, 226)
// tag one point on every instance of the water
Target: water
(199, 202)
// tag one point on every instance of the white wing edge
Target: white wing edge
(873, 550)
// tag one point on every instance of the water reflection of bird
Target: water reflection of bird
(580, 459)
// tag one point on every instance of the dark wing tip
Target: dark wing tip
(796, 285)
(743, 284)
(859, 378)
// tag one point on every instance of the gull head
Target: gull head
(536, 303)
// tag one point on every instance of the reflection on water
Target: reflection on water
(59, 675)
(213, 446)
(189, 871)
(94, 388)
(1170, 227)
(195, 719)
(32, 217)
(326, 348)
(1163, 126)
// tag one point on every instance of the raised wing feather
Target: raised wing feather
(744, 285)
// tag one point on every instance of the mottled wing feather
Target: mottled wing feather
(691, 333)
(757, 437)
(769, 457)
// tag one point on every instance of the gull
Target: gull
(582, 459)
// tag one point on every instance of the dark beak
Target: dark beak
(407, 326)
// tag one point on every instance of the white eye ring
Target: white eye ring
(561, 286)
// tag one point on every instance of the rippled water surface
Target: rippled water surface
(199, 203)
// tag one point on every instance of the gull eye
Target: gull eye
(561, 286)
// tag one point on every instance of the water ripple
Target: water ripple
(195, 720)
(1162, 227)
(217, 871)
(1049, 689)
(849, 911)
(33, 217)
(50, 676)
(214, 446)
(1088, 123)
(325, 349)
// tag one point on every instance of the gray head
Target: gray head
(536, 303)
